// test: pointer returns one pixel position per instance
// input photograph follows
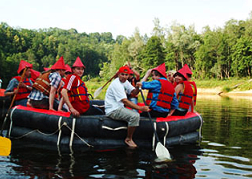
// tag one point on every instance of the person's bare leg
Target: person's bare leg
(129, 141)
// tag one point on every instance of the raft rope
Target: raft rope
(114, 129)
(36, 130)
(10, 128)
(59, 129)
(65, 124)
(167, 131)
(72, 133)
(59, 135)
(181, 139)
(200, 129)
(153, 137)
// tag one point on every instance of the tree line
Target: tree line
(214, 53)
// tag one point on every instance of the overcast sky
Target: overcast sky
(121, 17)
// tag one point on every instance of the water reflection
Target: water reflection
(224, 152)
(100, 163)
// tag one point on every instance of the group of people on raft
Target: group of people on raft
(61, 88)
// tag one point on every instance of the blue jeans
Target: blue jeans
(134, 100)
(22, 102)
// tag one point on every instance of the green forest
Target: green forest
(219, 53)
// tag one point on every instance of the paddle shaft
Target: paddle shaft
(13, 99)
(155, 132)
(109, 80)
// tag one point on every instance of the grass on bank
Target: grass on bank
(226, 85)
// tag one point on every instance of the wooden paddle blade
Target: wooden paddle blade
(162, 152)
(97, 92)
(5, 146)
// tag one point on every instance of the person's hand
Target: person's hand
(144, 108)
(169, 115)
(74, 112)
(149, 72)
(22, 85)
(129, 64)
(139, 84)
(15, 91)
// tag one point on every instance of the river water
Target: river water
(224, 152)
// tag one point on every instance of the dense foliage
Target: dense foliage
(215, 53)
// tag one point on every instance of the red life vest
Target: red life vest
(22, 92)
(174, 84)
(185, 98)
(79, 91)
(194, 87)
(165, 95)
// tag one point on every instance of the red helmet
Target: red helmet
(161, 69)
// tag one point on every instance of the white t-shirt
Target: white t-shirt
(115, 93)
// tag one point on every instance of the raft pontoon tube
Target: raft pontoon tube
(60, 128)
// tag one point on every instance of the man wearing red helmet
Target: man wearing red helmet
(25, 86)
(116, 100)
(161, 96)
(75, 92)
(45, 87)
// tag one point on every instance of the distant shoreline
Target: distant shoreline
(218, 91)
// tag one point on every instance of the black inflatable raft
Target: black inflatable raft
(60, 128)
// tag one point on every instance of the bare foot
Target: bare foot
(130, 143)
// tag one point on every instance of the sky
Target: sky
(121, 17)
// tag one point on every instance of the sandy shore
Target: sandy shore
(218, 91)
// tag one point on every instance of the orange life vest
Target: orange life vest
(165, 95)
(185, 98)
(22, 92)
(79, 91)
(42, 83)
(194, 87)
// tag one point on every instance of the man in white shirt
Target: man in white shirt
(116, 100)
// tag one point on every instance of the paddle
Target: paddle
(98, 91)
(161, 151)
(13, 99)
(5, 146)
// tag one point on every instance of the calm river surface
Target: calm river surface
(224, 152)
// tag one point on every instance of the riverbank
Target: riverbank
(218, 91)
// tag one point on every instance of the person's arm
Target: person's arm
(11, 93)
(9, 90)
(55, 80)
(51, 97)
(192, 105)
(174, 105)
(136, 90)
(178, 88)
(136, 74)
(129, 104)
(147, 74)
(61, 104)
(67, 101)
